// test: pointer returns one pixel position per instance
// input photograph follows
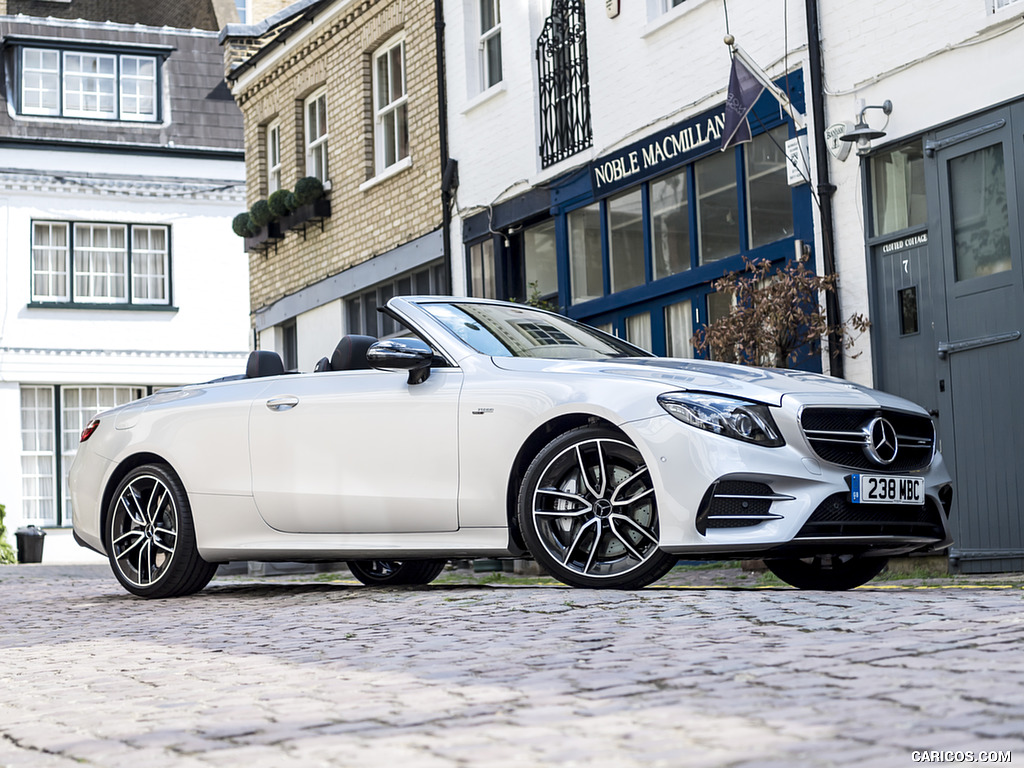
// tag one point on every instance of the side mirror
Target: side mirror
(412, 355)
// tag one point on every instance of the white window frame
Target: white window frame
(317, 142)
(489, 37)
(96, 266)
(37, 449)
(55, 261)
(101, 95)
(79, 404)
(273, 139)
(387, 135)
(146, 86)
(92, 85)
(49, 82)
(149, 266)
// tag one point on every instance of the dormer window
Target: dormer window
(89, 84)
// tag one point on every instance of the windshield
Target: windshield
(509, 331)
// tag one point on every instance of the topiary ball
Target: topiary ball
(281, 202)
(260, 213)
(308, 189)
(242, 224)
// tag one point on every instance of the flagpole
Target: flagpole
(761, 76)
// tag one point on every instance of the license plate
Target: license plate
(883, 489)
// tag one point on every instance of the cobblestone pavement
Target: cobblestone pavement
(298, 672)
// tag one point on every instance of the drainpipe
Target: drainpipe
(448, 172)
(825, 188)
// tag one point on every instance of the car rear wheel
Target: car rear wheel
(588, 512)
(381, 573)
(827, 572)
(150, 536)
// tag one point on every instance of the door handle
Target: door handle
(282, 403)
(947, 348)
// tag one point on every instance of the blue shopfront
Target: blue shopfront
(632, 242)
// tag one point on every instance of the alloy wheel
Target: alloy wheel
(594, 509)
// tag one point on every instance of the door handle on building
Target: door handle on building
(947, 348)
(282, 403)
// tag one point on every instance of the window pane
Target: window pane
(149, 265)
(981, 226)
(768, 194)
(138, 88)
(49, 261)
(481, 265)
(678, 330)
(38, 482)
(492, 60)
(541, 264)
(40, 82)
(720, 305)
(638, 330)
(397, 72)
(488, 15)
(898, 198)
(718, 215)
(626, 240)
(586, 271)
(89, 85)
(670, 225)
(100, 263)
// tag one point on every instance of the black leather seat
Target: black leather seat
(350, 354)
(263, 362)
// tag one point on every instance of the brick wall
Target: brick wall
(337, 53)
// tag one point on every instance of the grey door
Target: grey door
(964, 360)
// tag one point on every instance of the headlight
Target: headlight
(727, 416)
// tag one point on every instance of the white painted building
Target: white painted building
(557, 110)
(121, 273)
(535, 213)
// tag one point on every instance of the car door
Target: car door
(357, 452)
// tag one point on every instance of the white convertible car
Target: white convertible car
(499, 430)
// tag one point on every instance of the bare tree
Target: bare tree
(775, 312)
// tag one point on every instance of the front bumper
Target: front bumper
(804, 505)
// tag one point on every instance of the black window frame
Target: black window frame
(72, 302)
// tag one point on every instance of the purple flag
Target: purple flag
(744, 90)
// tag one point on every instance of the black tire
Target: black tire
(576, 525)
(833, 573)
(150, 536)
(390, 573)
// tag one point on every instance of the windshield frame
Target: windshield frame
(481, 326)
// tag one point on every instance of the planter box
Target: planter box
(266, 237)
(310, 213)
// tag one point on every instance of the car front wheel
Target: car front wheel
(389, 573)
(588, 512)
(827, 572)
(150, 537)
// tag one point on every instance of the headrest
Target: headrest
(350, 354)
(263, 362)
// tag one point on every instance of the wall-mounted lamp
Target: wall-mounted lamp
(863, 133)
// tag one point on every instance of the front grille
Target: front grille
(838, 436)
(735, 504)
(838, 517)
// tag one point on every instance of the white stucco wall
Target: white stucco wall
(936, 62)
(205, 336)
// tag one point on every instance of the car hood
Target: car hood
(765, 385)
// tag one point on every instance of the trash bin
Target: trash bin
(30, 544)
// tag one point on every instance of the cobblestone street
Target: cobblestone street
(301, 672)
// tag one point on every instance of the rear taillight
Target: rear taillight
(89, 429)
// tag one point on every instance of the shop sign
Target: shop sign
(658, 153)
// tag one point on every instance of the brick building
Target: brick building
(345, 92)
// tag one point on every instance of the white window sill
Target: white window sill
(394, 170)
(482, 98)
(670, 16)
